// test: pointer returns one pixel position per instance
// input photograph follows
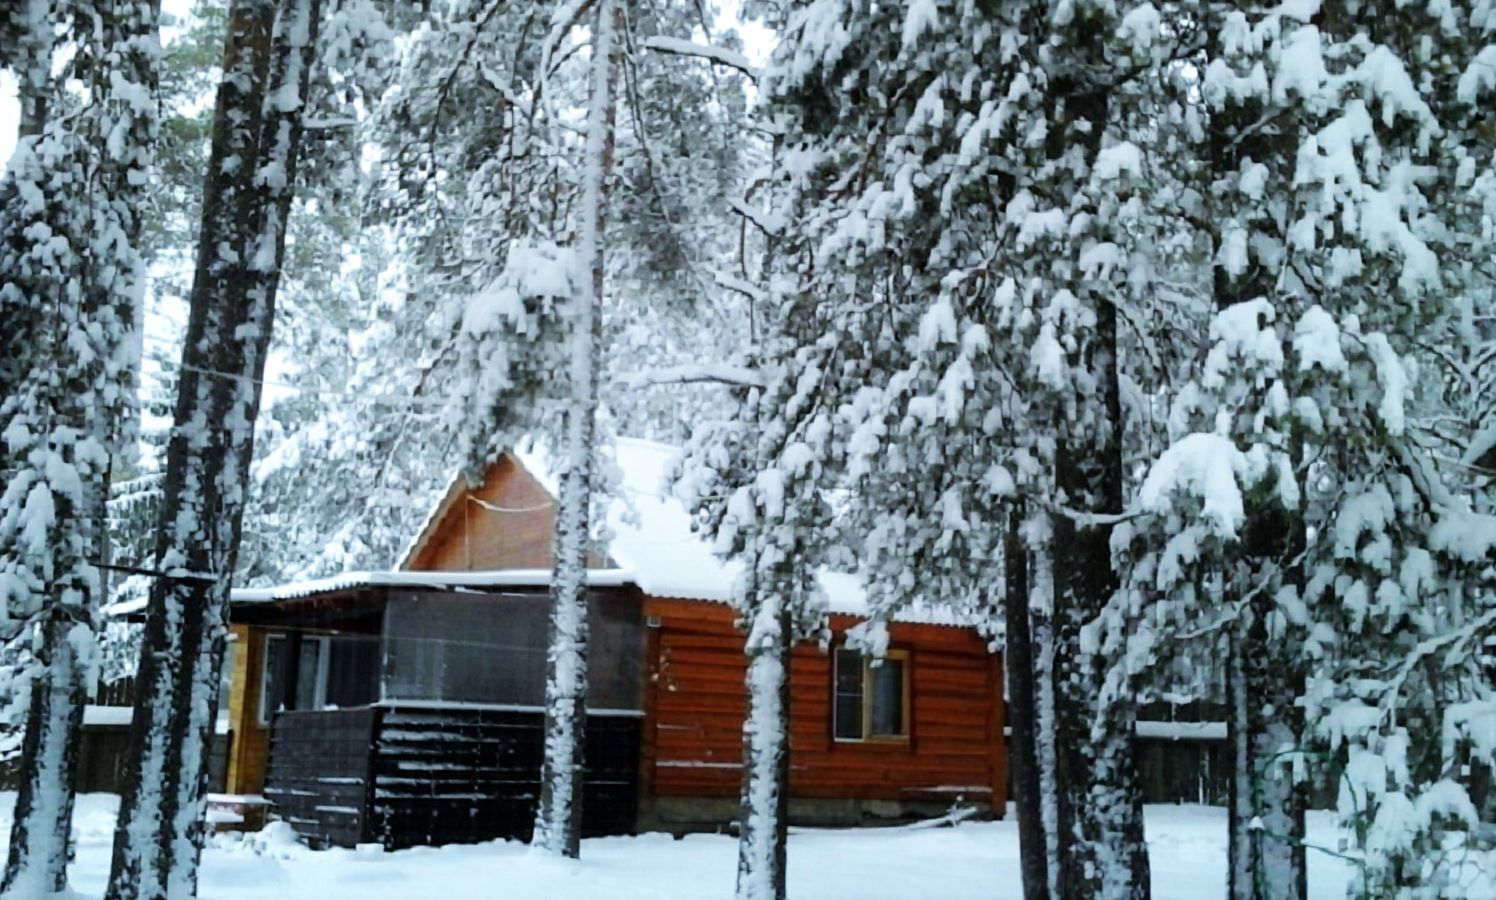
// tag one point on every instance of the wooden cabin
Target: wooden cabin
(404, 707)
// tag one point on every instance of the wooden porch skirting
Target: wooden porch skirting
(406, 775)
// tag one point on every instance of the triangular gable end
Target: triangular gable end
(506, 522)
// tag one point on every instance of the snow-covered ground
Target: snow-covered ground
(978, 859)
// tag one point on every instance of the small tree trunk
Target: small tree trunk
(1041, 639)
(247, 196)
(763, 838)
(39, 839)
(1028, 793)
(558, 820)
(1266, 858)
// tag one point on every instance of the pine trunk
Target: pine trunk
(1266, 857)
(1266, 813)
(246, 201)
(1102, 852)
(1041, 638)
(39, 838)
(1026, 772)
(558, 820)
(763, 839)
(80, 399)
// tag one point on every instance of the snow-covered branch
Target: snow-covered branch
(714, 55)
(737, 376)
(1084, 519)
(742, 286)
(765, 222)
(313, 123)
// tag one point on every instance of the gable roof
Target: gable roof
(650, 537)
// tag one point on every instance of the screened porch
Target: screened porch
(413, 715)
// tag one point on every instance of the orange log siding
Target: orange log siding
(695, 714)
(249, 744)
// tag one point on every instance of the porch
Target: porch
(411, 713)
(408, 774)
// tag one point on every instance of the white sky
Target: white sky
(10, 115)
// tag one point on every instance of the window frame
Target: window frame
(319, 691)
(868, 697)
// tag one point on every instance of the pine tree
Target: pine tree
(79, 284)
(1302, 515)
(268, 57)
(965, 215)
(558, 821)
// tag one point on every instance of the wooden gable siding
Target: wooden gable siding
(504, 523)
(695, 703)
(469, 536)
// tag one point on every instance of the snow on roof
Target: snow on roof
(651, 537)
(649, 530)
(435, 580)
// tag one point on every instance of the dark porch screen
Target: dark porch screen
(470, 648)
(352, 672)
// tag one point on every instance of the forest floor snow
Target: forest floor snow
(972, 859)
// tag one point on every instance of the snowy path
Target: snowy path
(974, 860)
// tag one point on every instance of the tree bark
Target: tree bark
(1266, 812)
(247, 194)
(558, 820)
(92, 202)
(1099, 825)
(40, 836)
(763, 840)
(1100, 822)
(1266, 857)
(1018, 652)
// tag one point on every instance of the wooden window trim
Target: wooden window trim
(906, 725)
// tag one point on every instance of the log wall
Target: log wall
(696, 704)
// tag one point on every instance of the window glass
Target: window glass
(869, 696)
(848, 701)
(466, 649)
(272, 690)
(309, 658)
(473, 648)
(352, 672)
(888, 698)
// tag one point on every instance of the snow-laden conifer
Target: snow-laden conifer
(269, 55)
(71, 279)
(1303, 509)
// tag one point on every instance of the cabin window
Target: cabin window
(318, 672)
(871, 696)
